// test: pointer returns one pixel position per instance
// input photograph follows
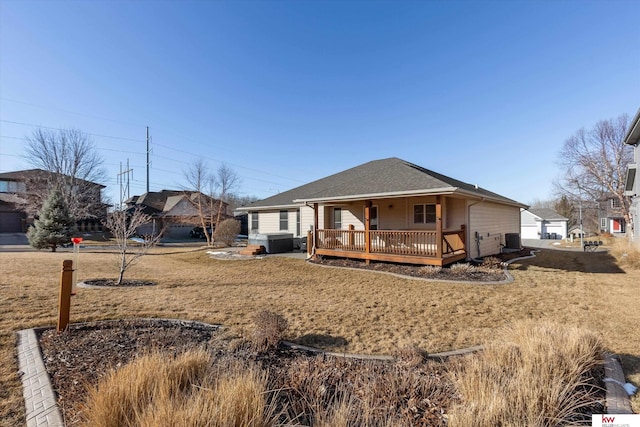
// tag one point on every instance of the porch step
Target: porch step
(253, 250)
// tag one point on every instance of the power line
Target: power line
(86, 133)
(97, 148)
(68, 111)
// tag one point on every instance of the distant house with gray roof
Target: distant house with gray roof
(543, 223)
(175, 212)
(391, 210)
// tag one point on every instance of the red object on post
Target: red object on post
(76, 240)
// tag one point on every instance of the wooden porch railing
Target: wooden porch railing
(395, 242)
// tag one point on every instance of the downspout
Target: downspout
(476, 236)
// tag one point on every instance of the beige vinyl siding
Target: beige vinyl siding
(306, 219)
(491, 221)
(455, 213)
(269, 221)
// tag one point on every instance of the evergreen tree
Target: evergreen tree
(54, 225)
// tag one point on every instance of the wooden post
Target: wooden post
(315, 228)
(309, 242)
(439, 241)
(64, 303)
(367, 230)
(351, 238)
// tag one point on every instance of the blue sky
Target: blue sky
(286, 92)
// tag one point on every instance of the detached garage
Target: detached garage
(542, 224)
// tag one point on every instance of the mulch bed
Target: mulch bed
(85, 353)
(114, 283)
(491, 271)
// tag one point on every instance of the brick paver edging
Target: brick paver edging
(39, 397)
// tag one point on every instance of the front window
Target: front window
(615, 203)
(284, 220)
(337, 218)
(298, 222)
(254, 221)
(12, 187)
(424, 214)
(603, 224)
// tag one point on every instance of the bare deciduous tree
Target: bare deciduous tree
(71, 157)
(207, 192)
(227, 181)
(123, 227)
(201, 188)
(595, 163)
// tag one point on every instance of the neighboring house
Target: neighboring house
(575, 232)
(543, 224)
(22, 193)
(611, 218)
(174, 212)
(392, 210)
(632, 183)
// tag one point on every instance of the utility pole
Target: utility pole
(124, 188)
(147, 159)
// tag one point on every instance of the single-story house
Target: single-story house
(392, 210)
(542, 223)
(632, 182)
(575, 232)
(176, 212)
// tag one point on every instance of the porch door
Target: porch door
(373, 213)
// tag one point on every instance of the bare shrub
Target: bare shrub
(410, 355)
(533, 375)
(338, 391)
(491, 263)
(227, 231)
(269, 329)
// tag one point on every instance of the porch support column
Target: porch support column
(315, 227)
(439, 240)
(367, 228)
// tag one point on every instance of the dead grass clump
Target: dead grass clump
(430, 270)
(160, 390)
(269, 329)
(463, 268)
(410, 355)
(491, 263)
(626, 253)
(533, 375)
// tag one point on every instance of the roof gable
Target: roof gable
(547, 214)
(392, 177)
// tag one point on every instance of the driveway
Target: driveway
(14, 242)
(550, 244)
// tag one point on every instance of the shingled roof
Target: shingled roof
(36, 174)
(547, 214)
(386, 178)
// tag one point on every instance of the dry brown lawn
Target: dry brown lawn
(353, 311)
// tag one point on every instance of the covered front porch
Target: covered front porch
(426, 247)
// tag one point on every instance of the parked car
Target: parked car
(198, 232)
